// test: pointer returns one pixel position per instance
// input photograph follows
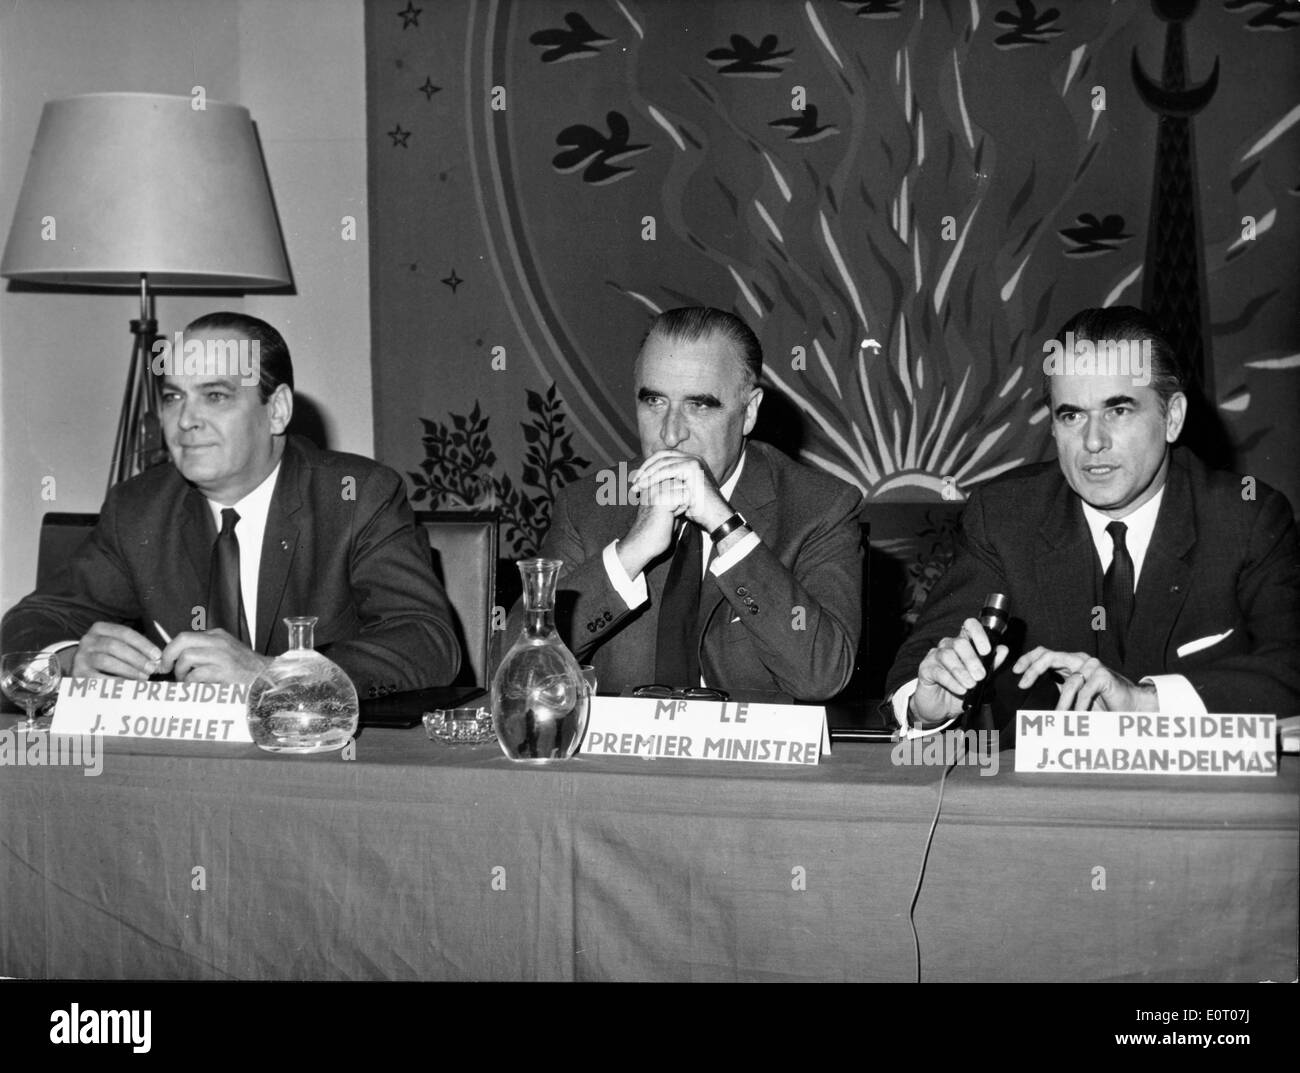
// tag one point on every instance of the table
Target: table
(420, 861)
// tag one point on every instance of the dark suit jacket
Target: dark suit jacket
(786, 618)
(340, 544)
(1217, 562)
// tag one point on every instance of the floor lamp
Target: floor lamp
(141, 190)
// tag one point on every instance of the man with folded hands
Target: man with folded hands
(1138, 579)
(719, 562)
(193, 565)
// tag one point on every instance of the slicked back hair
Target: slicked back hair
(689, 324)
(274, 367)
(1119, 323)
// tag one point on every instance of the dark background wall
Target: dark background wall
(962, 177)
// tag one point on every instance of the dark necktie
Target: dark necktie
(677, 657)
(1117, 588)
(225, 598)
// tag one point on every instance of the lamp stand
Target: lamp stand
(139, 444)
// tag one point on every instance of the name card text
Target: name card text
(706, 730)
(1145, 743)
(180, 711)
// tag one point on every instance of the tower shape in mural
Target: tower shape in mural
(1173, 288)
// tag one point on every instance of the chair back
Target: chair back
(911, 545)
(61, 537)
(463, 547)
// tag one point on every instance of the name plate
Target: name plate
(171, 711)
(1145, 743)
(706, 730)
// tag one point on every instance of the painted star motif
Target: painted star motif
(429, 89)
(411, 16)
(453, 281)
(399, 136)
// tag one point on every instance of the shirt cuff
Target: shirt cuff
(1174, 693)
(900, 699)
(722, 563)
(632, 590)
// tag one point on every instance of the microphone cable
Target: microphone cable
(993, 617)
(925, 857)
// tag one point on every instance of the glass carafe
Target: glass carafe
(540, 700)
(302, 702)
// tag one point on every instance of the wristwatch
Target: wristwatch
(736, 521)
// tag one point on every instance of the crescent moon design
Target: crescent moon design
(1184, 102)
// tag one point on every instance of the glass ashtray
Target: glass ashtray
(459, 726)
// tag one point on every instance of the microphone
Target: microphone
(993, 617)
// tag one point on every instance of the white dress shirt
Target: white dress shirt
(1141, 524)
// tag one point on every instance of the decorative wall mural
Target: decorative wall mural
(459, 471)
(903, 198)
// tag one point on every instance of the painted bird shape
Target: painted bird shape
(803, 126)
(1277, 14)
(578, 42)
(1094, 236)
(876, 9)
(748, 59)
(598, 152)
(1028, 27)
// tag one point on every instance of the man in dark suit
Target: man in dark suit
(192, 566)
(1139, 580)
(717, 560)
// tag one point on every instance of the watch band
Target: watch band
(727, 528)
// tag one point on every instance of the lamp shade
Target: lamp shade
(125, 184)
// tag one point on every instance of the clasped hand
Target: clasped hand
(669, 485)
(112, 650)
